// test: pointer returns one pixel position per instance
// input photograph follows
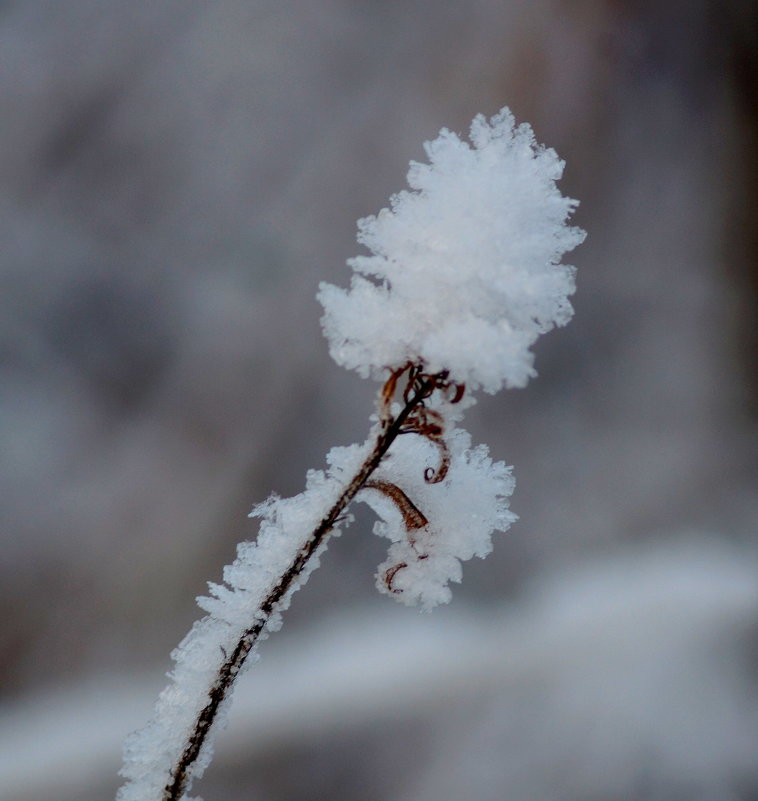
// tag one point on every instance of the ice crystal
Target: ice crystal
(464, 272)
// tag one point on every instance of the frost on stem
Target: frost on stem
(463, 276)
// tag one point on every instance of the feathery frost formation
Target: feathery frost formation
(465, 272)
(463, 510)
(465, 275)
(150, 753)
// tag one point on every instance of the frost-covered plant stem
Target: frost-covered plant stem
(464, 276)
(389, 429)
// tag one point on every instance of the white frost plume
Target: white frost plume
(465, 272)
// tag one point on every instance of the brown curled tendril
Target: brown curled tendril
(413, 517)
(432, 476)
(421, 382)
(458, 392)
(388, 391)
(418, 381)
(389, 576)
(390, 573)
(429, 423)
(425, 422)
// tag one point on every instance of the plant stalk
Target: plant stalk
(228, 671)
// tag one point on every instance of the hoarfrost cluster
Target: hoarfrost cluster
(463, 511)
(465, 269)
(464, 275)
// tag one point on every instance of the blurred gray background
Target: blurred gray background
(175, 180)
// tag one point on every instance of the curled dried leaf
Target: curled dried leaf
(430, 424)
(432, 476)
(458, 391)
(389, 576)
(413, 518)
(389, 389)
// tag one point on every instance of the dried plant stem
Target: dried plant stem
(422, 387)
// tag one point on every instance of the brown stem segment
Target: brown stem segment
(180, 775)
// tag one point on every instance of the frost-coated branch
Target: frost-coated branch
(464, 274)
(144, 764)
(229, 670)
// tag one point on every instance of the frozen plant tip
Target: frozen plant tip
(465, 269)
(464, 274)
